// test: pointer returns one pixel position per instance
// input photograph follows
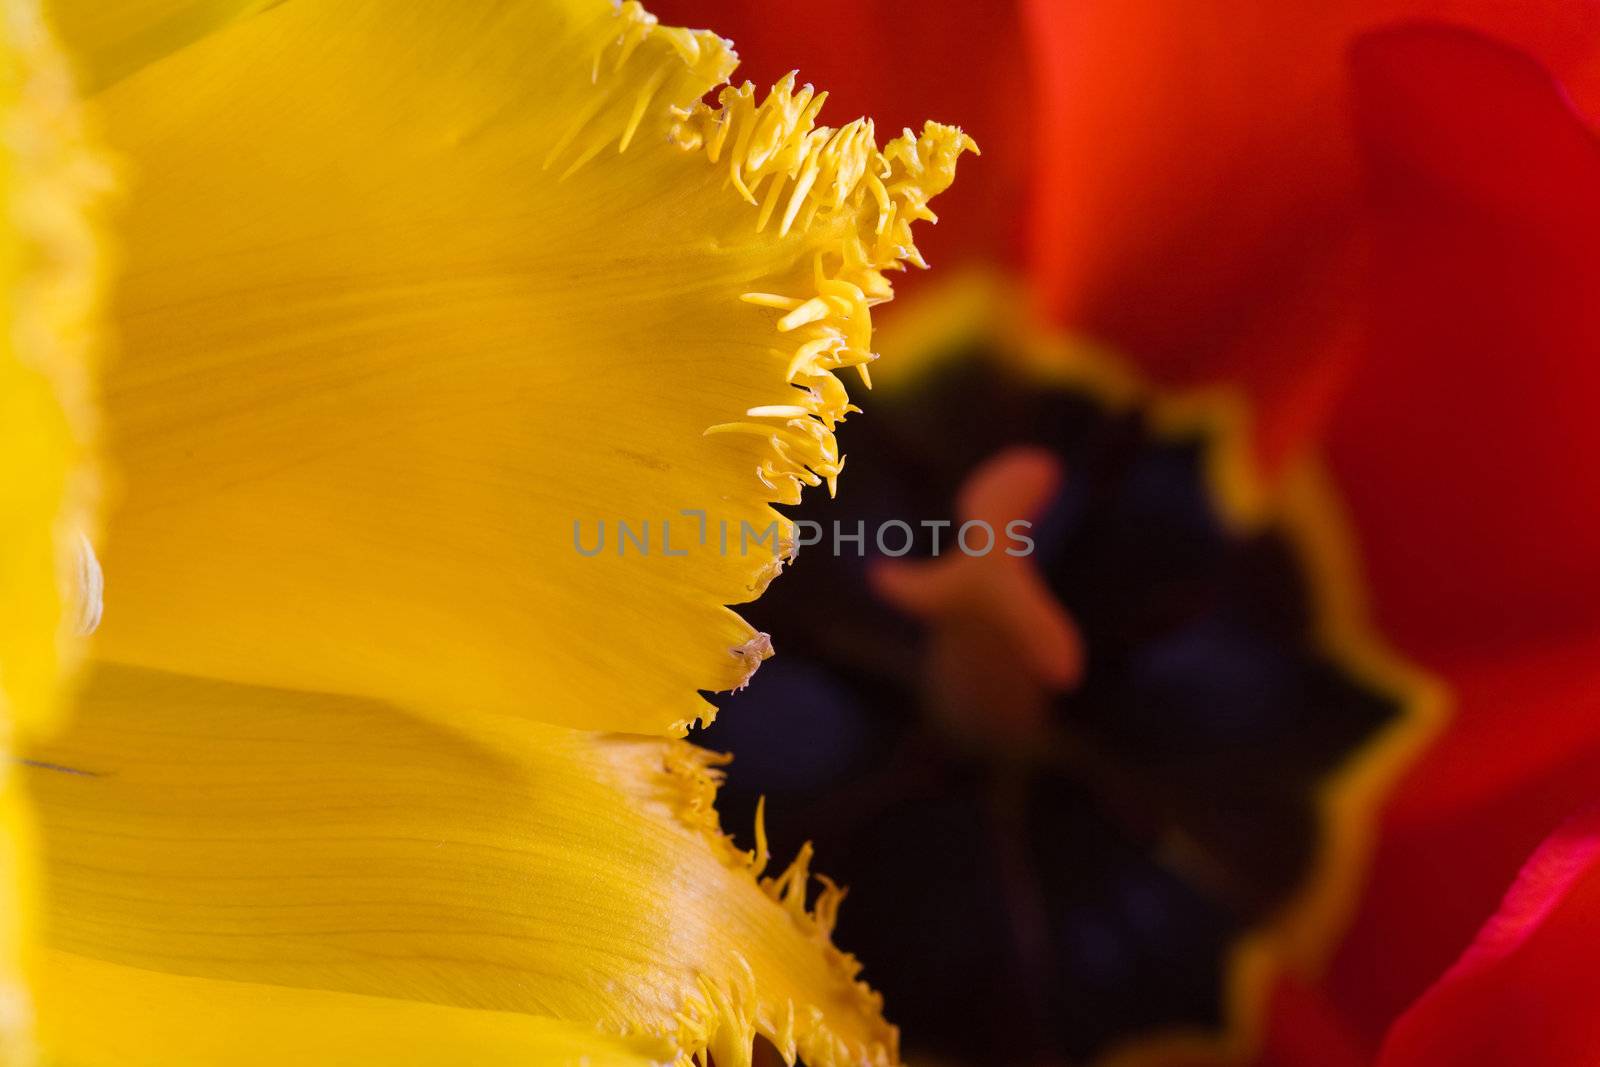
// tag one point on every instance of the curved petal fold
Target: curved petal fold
(1525, 991)
(224, 832)
(422, 305)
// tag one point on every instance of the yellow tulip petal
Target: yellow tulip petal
(96, 1014)
(418, 296)
(113, 38)
(48, 273)
(219, 831)
(47, 291)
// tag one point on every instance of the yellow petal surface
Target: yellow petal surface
(95, 1014)
(47, 175)
(219, 831)
(420, 298)
(113, 38)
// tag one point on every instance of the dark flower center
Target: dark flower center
(1057, 845)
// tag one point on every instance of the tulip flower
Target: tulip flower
(373, 761)
(1351, 238)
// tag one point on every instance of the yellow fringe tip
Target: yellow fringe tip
(859, 203)
(842, 208)
(718, 1023)
(680, 64)
(751, 655)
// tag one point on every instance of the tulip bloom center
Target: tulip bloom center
(1170, 732)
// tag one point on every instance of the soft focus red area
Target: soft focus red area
(1515, 716)
(1527, 990)
(1467, 439)
(1431, 888)
(1460, 448)
(1197, 214)
(1304, 1029)
(902, 62)
(1200, 204)
(1522, 750)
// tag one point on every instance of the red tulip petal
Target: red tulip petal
(1181, 139)
(1527, 990)
(1466, 444)
(900, 62)
(1452, 451)
(1201, 205)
